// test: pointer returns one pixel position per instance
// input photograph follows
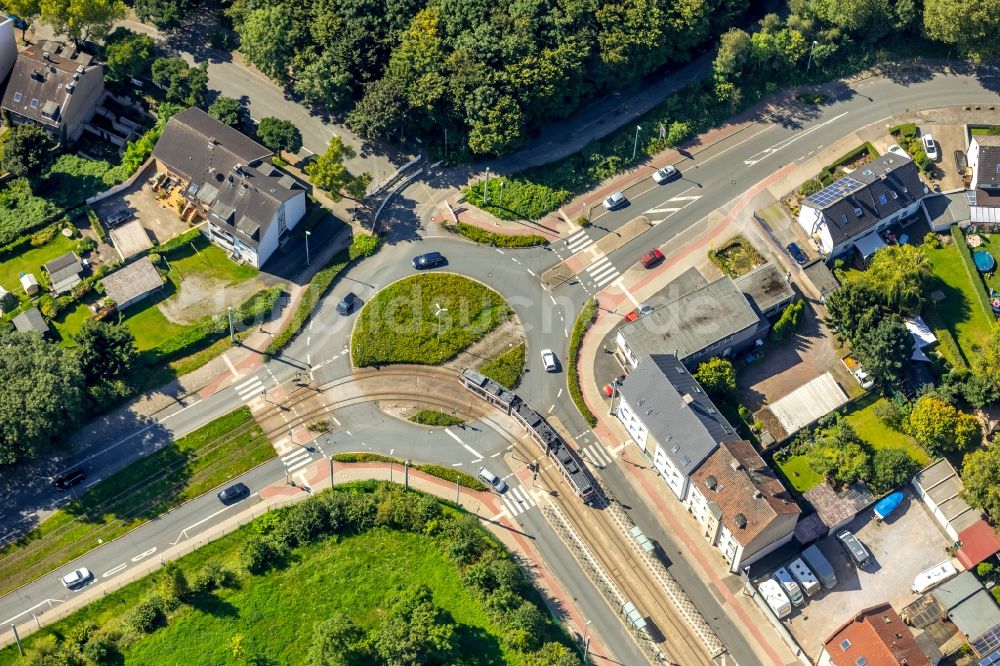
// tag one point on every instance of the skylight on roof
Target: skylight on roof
(34, 103)
(844, 644)
(17, 97)
(858, 212)
(882, 199)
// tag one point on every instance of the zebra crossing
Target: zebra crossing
(597, 455)
(250, 388)
(299, 457)
(602, 272)
(578, 241)
(517, 499)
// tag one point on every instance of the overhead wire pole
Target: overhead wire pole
(635, 144)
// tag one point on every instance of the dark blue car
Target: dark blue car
(429, 260)
(797, 254)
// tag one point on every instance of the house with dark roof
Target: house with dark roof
(867, 201)
(671, 418)
(984, 190)
(716, 319)
(836, 507)
(56, 87)
(972, 610)
(31, 320)
(875, 636)
(132, 283)
(64, 272)
(8, 47)
(744, 509)
(249, 205)
(767, 289)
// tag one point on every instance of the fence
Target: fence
(779, 627)
(121, 187)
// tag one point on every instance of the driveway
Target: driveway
(908, 543)
(950, 138)
(159, 220)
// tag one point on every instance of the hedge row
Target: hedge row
(479, 235)
(583, 322)
(177, 243)
(446, 473)
(432, 417)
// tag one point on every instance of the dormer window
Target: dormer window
(17, 97)
(34, 103)
(858, 212)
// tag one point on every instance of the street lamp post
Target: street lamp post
(438, 311)
(810, 61)
(308, 233)
(329, 457)
(232, 333)
(486, 188)
(586, 643)
(635, 144)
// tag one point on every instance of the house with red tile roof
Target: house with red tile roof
(876, 636)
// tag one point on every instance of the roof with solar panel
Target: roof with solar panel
(870, 194)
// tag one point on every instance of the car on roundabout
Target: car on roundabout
(549, 360)
(492, 480)
(429, 260)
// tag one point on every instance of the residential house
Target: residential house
(972, 610)
(984, 190)
(131, 284)
(876, 636)
(31, 320)
(744, 509)
(867, 201)
(767, 290)
(671, 419)
(54, 86)
(249, 205)
(64, 272)
(940, 489)
(715, 319)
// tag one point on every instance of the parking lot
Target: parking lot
(908, 543)
(158, 219)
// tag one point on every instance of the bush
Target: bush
(890, 414)
(100, 649)
(984, 569)
(522, 199)
(479, 235)
(432, 417)
(891, 468)
(453, 475)
(181, 242)
(932, 240)
(259, 554)
(86, 244)
(583, 322)
(810, 187)
(174, 587)
(789, 321)
(147, 616)
(506, 368)
(363, 245)
(214, 576)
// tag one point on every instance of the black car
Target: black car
(429, 260)
(69, 479)
(797, 254)
(233, 493)
(347, 303)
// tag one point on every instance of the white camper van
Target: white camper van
(938, 573)
(789, 585)
(804, 575)
(775, 597)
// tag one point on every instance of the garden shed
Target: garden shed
(64, 272)
(133, 283)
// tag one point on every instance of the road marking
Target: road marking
(784, 143)
(517, 500)
(252, 380)
(530, 272)
(516, 260)
(118, 569)
(499, 250)
(456, 464)
(596, 454)
(566, 332)
(229, 364)
(551, 408)
(250, 389)
(552, 298)
(693, 197)
(497, 454)
(143, 554)
(184, 531)
(664, 210)
(349, 433)
(559, 394)
(334, 419)
(8, 621)
(464, 445)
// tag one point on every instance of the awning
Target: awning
(869, 245)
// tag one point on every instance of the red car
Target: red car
(632, 316)
(643, 309)
(651, 258)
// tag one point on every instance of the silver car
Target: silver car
(666, 174)
(493, 480)
(549, 360)
(856, 550)
(616, 200)
(77, 578)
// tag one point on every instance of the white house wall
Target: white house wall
(674, 478)
(973, 159)
(8, 48)
(810, 219)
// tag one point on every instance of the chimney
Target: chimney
(735, 464)
(757, 494)
(46, 56)
(688, 399)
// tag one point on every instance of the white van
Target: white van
(789, 585)
(775, 597)
(804, 575)
(938, 573)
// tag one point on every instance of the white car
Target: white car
(616, 200)
(493, 480)
(666, 174)
(930, 147)
(897, 149)
(866, 380)
(78, 577)
(549, 360)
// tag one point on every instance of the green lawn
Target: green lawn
(959, 310)
(873, 431)
(506, 368)
(150, 326)
(70, 321)
(191, 466)
(205, 260)
(799, 474)
(432, 417)
(31, 261)
(403, 322)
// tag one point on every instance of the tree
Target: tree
(989, 360)
(161, 13)
(789, 322)
(971, 27)
(268, 39)
(41, 395)
(940, 427)
(883, 348)
(82, 19)
(552, 654)
(323, 80)
(415, 631)
(981, 476)
(278, 134)
(227, 110)
(184, 85)
(381, 110)
(899, 274)
(847, 304)
(105, 351)
(891, 468)
(496, 123)
(717, 376)
(128, 54)
(174, 588)
(735, 50)
(327, 172)
(337, 641)
(28, 151)
(840, 456)
(26, 10)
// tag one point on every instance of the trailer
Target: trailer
(775, 597)
(804, 576)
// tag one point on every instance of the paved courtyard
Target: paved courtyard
(161, 221)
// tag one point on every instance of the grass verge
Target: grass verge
(426, 319)
(583, 322)
(506, 368)
(446, 473)
(317, 289)
(192, 465)
(474, 233)
(432, 417)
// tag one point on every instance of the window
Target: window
(882, 199)
(685, 460)
(34, 103)
(858, 212)
(844, 644)
(861, 661)
(17, 97)
(998, 166)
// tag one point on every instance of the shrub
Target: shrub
(258, 554)
(789, 321)
(890, 414)
(100, 649)
(891, 468)
(522, 199)
(86, 244)
(453, 475)
(213, 577)
(432, 417)
(363, 245)
(583, 322)
(810, 187)
(932, 240)
(506, 368)
(174, 588)
(147, 616)
(176, 243)
(479, 235)
(984, 569)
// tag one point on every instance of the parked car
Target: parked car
(347, 303)
(428, 260)
(76, 578)
(820, 566)
(643, 309)
(797, 254)
(69, 479)
(549, 360)
(651, 258)
(233, 493)
(666, 174)
(865, 379)
(616, 200)
(493, 480)
(930, 147)
(856, 550)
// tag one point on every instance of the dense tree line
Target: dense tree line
(486, 74)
